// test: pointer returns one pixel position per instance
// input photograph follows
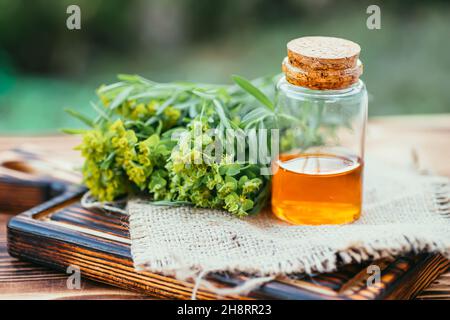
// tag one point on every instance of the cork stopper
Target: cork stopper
(322, 63)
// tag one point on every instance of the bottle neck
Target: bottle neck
(298, 91)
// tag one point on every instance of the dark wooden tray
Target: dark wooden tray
(60, 233)
(27, 180)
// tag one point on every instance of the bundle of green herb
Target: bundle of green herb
(130, 145)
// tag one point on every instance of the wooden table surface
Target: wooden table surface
(417, 141)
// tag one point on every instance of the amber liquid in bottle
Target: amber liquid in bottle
(317, 189)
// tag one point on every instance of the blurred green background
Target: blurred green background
(44, 67)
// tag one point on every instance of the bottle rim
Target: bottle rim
(294, 90)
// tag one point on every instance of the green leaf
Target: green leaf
(243, 180)
(251, 89)
(104, 89)
(203, 94)
(247, 204)
(232, 180)
(133, 78)
(157, 182)
(80, 117)
(230, 169)
(171, 203)
(221, 112)
(153, 140)
(167, 103)
(256, 116)
(100, 112)
(73, 131)
(107, 162)
(120, 98)
(261, 199)
(289, 118)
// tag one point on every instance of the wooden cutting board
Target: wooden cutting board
(61, 233)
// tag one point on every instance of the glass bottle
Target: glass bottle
(322, 108)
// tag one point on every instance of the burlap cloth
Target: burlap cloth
(403, 212)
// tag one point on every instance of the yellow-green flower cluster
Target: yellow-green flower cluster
(208, 184)
(137, 110)
(129, 147)
(171, 116)
(144, 110)
(105, 182)
(116, 157)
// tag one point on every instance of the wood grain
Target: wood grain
(24, 280)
